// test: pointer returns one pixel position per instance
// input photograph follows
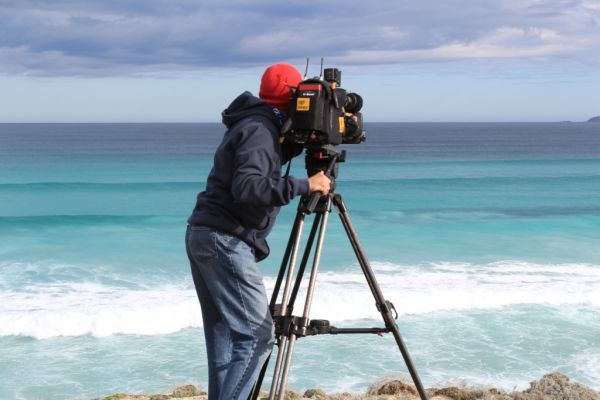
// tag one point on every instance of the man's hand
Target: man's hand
(319, 182)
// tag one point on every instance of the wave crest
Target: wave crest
(88, 308)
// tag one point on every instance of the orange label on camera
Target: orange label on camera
(302, 104)
(342, 123)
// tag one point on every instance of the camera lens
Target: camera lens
(353, 103)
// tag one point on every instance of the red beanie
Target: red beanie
(275, 85)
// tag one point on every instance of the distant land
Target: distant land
(595, 119)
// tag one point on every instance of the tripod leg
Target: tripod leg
(303, 263)
(283, 344)
(284, 303)
(291, 248)
(382, 305)
(295, 233)
(309, 294)
(288, 310)
(286, 369)
(256, 389)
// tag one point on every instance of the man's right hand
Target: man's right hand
(319, 182)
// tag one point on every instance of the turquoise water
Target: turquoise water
(486, 238)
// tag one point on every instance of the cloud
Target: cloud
(115, 38)
(502, 43)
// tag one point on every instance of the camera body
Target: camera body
(322, 113)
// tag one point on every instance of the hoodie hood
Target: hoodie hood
(246, 105)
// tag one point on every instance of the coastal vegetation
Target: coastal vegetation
(554, 386)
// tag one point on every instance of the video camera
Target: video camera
(321, 113)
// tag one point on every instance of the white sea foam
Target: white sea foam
(74, 309)
(588, 365)
(458, 286)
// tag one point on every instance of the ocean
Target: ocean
(485, 237)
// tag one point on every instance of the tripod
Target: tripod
(289, 327)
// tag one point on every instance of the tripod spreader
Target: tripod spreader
(301, 327)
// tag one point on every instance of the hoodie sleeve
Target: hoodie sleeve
(257, 171)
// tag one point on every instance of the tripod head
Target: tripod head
(322, 158)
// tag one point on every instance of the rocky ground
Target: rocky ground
(554, 386)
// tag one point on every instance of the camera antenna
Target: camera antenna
(321, 73)
(306, 69)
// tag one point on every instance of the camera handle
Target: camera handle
(289, 327)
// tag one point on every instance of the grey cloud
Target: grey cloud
(88, 38)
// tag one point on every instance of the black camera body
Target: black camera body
(322, 113)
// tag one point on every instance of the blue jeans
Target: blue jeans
(238, 326)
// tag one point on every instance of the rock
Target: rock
(594, 119)
(291, 395)
(186, 391)
(459, 394)
(396, 387)
(557, 386)
(554, 386)
(315, 394)
(342, 396)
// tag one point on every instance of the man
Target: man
(227, 231)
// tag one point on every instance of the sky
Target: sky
(411, 60)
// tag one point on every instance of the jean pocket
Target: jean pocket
(201, 244)
(233, 245)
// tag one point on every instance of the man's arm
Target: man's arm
(255, 178)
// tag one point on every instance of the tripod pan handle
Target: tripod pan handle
(312, 202)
